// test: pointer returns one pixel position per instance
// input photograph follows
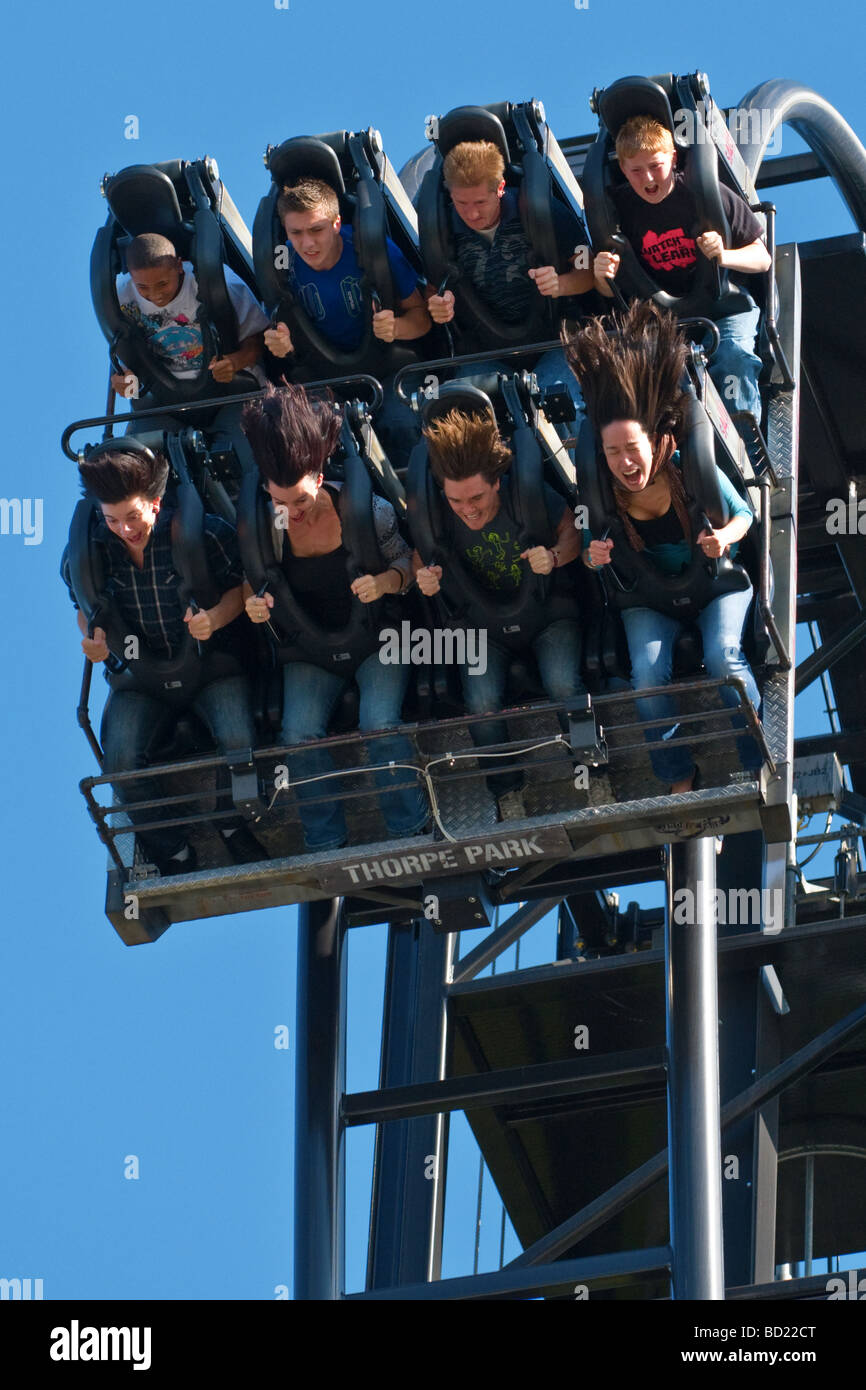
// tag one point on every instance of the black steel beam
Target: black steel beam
(320, 1061)
(499, 940)
(511, 1086)
(790, 168)
(739, 951)
(408, 1199)
(609, 1203)
(843, 640)
(850, 745)
(787, 1290)
(505, 1283)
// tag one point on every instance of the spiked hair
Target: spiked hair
(308, 195)
(460, 445)
(290, 435)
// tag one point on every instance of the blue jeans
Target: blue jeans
(132, 725)
(550, 369)
(735, 367)
(557, 650)
(309, 697)
(651, 637)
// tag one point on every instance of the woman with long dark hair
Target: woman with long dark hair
(292, 438)
(632, 383)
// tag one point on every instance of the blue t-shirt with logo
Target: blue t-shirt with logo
(332, 298)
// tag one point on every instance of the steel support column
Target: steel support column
(409, 1172)
(694, 1132)
(320, 1066)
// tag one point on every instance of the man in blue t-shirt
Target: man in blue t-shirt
(326, 278)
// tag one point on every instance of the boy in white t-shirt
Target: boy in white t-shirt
(160, 296)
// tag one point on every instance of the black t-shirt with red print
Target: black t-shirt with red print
(663, 234)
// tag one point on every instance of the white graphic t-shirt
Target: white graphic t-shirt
(173, 332)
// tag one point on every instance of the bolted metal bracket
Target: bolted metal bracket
(586, 736)
(245, 783)
(458, 903)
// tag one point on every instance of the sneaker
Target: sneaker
(511, 806)
(242, 845)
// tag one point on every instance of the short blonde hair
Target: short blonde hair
(642, 135)
(461, 445)
(473, 162)
(306, 196)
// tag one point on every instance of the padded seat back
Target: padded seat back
(175, 679)
(643, 96)
(632, 580)
(526, 170)
(511, 619)
(295, 633)
(339, 160)
(171, 200)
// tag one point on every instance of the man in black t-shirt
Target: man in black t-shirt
(468, 458)
(657, 215)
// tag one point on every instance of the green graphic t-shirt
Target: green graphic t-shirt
(493, 553)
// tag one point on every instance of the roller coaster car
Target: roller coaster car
(696, 157)
(632, 580)
(177, 679)
(354, 166)
(514, 619)
(187, 203)
(535, 166)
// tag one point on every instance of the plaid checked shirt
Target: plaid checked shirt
(148, 598)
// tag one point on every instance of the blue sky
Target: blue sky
(166, 1051)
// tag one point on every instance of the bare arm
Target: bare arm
(753, 259)
(568, 542)
(207, 621)
(412, 320)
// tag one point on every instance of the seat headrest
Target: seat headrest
(124, 444)
(634, 96)
(144, 199)
(471, 123)
(456, 395)
(305, 156)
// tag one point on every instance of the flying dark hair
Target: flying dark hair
(635, 373)
(290, 435)
(114, 476)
